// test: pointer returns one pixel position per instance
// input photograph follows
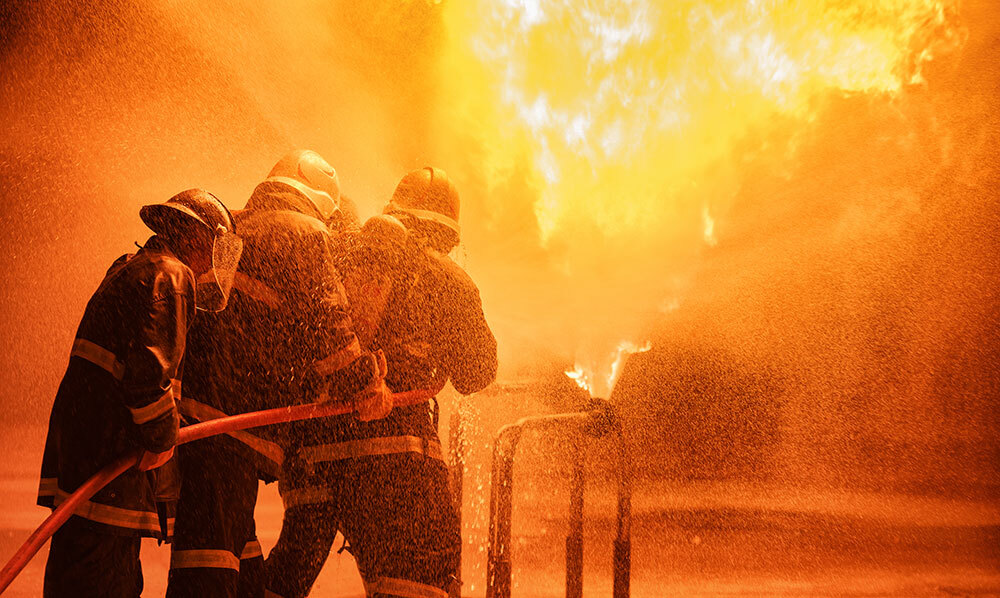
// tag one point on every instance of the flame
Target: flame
(622, 108)
(582, 378)
(709, 232)
(625, 129)
(599, 379)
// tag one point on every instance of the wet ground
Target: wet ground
(704, 539)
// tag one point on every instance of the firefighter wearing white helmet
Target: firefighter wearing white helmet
(120, 391)
(286, 338)
(384, 484)
(313, 177)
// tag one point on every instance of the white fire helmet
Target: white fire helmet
(312, 176)
(203, 210)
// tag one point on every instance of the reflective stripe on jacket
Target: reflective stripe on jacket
(119, 392)
(285, 337)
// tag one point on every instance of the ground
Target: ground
(701, 539)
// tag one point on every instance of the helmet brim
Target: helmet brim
(164, 219)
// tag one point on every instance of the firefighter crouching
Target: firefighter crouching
(285, 339)
(119, 392)
(384, 483)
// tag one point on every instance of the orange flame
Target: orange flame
(599, 379)
(620, 107)
(624, 128)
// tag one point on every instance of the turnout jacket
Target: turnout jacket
(285, 337)
(424, 313)
(118, 393)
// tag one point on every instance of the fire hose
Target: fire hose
(214, 427)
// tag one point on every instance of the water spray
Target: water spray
(199, 431)
(598, 421)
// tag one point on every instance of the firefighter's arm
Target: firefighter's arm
(471, 345)
(151, 369)
(344, 369)
(349, 372)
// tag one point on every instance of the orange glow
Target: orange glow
(633, 123)
(620, 106)
(598, 377)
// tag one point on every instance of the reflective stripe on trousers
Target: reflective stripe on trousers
(251, 550)
(402, 588)
(204, 558)
(207, 558)
(305, 496)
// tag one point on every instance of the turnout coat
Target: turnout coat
(285, 337)
(424, 313)
(119, 391)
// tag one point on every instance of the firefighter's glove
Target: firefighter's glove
(153, 460)
(375, 401)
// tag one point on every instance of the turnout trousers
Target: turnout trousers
(396, 513)
(215, 551)
(87, 563)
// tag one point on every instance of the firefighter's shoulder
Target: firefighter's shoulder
(451, 277)
(160, 274)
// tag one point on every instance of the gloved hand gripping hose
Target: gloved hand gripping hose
(197, 431)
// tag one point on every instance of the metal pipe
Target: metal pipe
(498, 566)
(574, 539)
(456, 448)
(623, 537)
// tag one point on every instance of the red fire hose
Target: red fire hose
(191, 433)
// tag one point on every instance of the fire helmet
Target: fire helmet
(194, 206)
(429, 196)
(312, 176)
(194, 210)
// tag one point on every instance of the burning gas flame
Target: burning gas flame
(581, 377)
(600, 379)
(621, 107)
(626, 129)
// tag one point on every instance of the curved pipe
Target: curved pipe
(498, 564)
(623, 538)
(187, 434)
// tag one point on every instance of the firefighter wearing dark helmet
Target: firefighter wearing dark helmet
(119, 394)
(384, 484)
(286, 338)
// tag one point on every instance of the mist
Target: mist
(813, 261)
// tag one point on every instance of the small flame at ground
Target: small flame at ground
(581, 377)
(599, 380)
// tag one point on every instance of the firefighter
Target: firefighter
(384, 483)
(119, 392)
(286, 338)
